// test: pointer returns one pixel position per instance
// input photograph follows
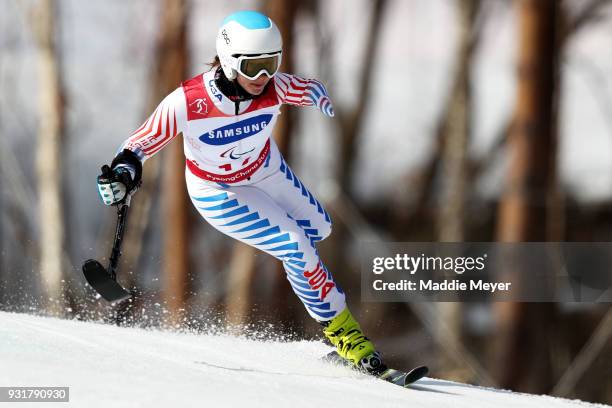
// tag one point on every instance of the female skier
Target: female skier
(236, 176)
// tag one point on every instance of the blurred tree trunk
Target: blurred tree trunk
(238, 301)
(172, 65)
(48, 156)
(451, 216)
(351, 121)
(168, 69)
(411, 208)
(523, 209)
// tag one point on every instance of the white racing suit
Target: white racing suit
(240, 183)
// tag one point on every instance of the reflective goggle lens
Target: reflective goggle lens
(251, 67)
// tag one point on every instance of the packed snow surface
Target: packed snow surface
(109, 366)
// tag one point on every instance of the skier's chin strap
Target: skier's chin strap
(231, 89)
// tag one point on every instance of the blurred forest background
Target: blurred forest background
(457, 120)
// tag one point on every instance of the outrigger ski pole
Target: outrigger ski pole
(103, 280)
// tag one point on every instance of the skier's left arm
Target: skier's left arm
(294, 90)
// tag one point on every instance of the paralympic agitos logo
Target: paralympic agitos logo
(236, 131)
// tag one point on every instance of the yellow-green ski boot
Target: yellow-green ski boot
(344, 332)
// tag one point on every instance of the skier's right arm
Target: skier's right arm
(156, 132)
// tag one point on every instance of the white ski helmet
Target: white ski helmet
(250, 34)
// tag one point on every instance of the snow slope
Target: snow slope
(108, 366)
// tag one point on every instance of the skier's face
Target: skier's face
(253, 86)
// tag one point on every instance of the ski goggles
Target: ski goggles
(252, 67)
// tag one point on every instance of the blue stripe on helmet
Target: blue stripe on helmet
(249, 19)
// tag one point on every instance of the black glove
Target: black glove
(121, 179)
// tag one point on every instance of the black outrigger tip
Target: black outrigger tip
(98, 278)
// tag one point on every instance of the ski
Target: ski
(397, 377)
